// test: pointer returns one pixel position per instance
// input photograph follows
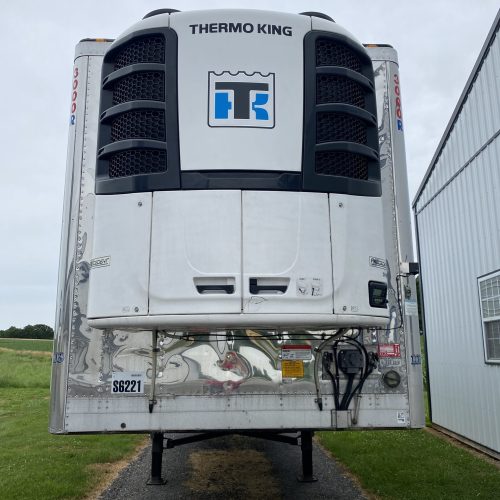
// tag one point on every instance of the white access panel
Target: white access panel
(358, 252)
(196, 252)
(119, 267)
(203, 56)
(286, 242)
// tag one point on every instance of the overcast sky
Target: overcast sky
(437, 41)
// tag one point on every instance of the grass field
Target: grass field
(26, 344)
(33, 463)
(413, 465)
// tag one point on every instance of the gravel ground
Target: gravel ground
(233, 467)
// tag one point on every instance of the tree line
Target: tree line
(28, 332)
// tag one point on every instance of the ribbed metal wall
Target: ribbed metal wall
(458, 219)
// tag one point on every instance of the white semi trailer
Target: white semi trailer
(236, 251)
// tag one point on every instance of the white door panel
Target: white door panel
(286, 253)
(196, 252)
(120, 257)
(358, 252)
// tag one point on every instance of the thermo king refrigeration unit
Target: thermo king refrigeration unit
(236, 234)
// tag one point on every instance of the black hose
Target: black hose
(347, 392)
(326, 367)
(365, 372)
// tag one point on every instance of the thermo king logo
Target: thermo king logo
(240, 99)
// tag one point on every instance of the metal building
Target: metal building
(457, 216)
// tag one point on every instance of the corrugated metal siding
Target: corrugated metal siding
(460, 241)
(476, 124)
(458, 217)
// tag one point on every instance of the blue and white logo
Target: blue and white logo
(240, 99)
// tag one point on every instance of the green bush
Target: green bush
(28, 332)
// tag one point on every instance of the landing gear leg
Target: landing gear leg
(156, 458)
(306, 447)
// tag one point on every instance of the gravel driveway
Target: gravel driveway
(233, 467)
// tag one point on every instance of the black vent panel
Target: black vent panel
(334, 127)
(334, 53)
(341, 150)
(142, 124)
(137, 161)
(342, 164)
(143, 86)
(339, 89)
(138, 148)
(148, 49)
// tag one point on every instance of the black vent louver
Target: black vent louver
(340, 117)
(138, 131)
(146, 49)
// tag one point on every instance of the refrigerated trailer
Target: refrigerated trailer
(236, 250)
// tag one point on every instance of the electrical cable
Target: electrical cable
(326, 367)
(361, 348)
(365, 370)
(192, 337)
(359, 387)
(347, 393)
(400, 298)
(317, 357)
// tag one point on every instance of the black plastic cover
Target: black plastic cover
(377, 293)
(341, 150)
(138, 138)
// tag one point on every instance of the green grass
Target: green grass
(412, 465)
(34, 463)
(24, 370)
(27, 345)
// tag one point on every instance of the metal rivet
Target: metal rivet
(136, 309)
(341, 205)
(140, 203)
(344, 308)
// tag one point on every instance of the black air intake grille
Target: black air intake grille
(143, 86)
(341, 149)
(332, 53)
(334, 127)
(137, 161)
(138, 149)
(142, 50)
(339, 89)
(342, 164)
(143, 124)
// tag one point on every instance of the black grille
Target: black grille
(137, 161)
(148, 85)
(342, 164)
(141, 50)
(340, 148)
(334, 127)
(332, 53)
(339, 89)
(143, 124)
(138, 148)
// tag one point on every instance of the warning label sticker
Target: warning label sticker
(309, 287)
(411, 308)
(401, 417)
(389, 362)
(296, 352)
(292, 369)
(389, 351)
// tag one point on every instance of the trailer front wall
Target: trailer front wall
(219, 381)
